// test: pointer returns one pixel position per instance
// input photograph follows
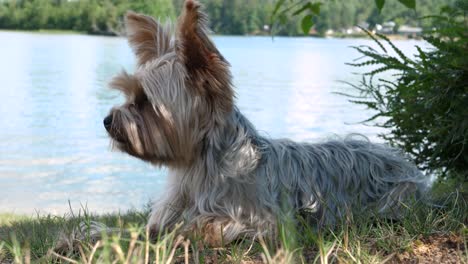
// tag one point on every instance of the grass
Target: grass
(426, 232)
(7, 219)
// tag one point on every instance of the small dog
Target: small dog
(225, 180)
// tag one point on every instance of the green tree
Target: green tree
(36, 14)
(162, 9)
(226, 16)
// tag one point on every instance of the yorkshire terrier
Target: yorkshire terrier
(225, 179)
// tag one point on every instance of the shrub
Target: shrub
(425, 103)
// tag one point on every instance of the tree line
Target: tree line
(233, 17)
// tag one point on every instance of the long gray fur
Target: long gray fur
(252, 180)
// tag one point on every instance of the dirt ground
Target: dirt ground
(435, 249)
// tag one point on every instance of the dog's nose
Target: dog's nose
(108, 122)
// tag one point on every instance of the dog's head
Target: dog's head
(179, 94)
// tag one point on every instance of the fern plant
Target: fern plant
(425, 103)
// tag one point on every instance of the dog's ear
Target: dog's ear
(146, 37)
(208, 71)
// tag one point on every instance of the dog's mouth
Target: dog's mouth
(119, 140)
(117, 136)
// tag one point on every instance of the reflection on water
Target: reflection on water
(53, 148)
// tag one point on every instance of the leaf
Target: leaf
(409, 3)
(380, 4)
(277, 6)
(306, 24)
(302, 9)
(315, 8)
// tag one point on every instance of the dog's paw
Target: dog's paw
(218, 233)
(212, 234)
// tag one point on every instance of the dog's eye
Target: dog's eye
(140, 100)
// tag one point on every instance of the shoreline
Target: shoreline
(114, 34)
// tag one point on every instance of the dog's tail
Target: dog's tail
(403, 195)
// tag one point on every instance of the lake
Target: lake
(55, 151)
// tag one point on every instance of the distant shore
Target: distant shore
(61, 31)
(114, 34)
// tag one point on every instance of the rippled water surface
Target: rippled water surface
(54, 149)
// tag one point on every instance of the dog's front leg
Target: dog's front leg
(165, 215)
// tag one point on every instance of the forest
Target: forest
(227, 17)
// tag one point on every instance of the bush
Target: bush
(425, 104)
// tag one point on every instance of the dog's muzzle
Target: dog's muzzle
(111, 128)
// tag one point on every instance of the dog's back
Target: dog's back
(338, 176)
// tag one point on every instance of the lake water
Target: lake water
(54, 149)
